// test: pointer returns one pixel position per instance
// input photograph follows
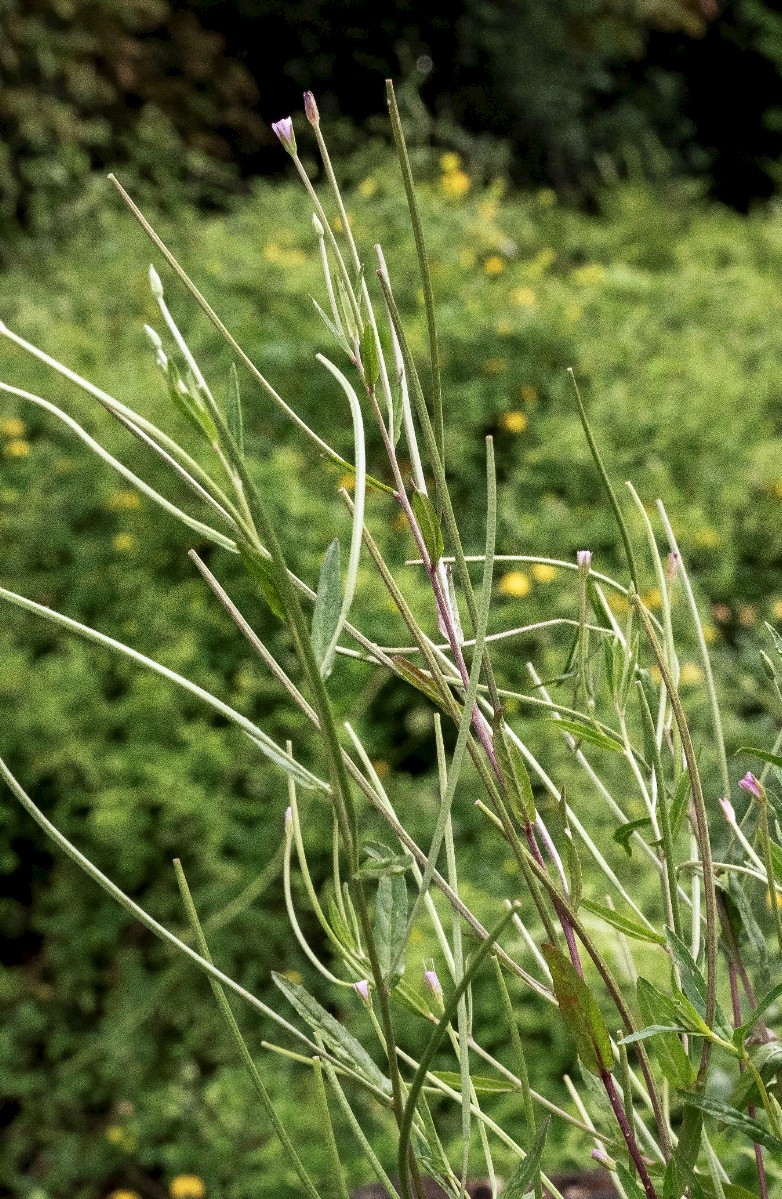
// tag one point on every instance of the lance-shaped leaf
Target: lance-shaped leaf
(383, 861)
(731, 1118)
(767, 1060)
(623, 834)
(625, 924)
(483, 1085)
(680, 1171)
(334, 1034)
(630, 1185)
(418, 678)
(658, 1009)
(580, 1012)
(522, 1181)
(391, 924)
(429, 524)
(234, 409)
(518, 788)
(583, 731)
(370, 359)
(693, 982)
(263, 572)
(328, 603)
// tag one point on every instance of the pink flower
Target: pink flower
(283, 130)
(584, 559)
(362, 990)
(433, 984)
(750, 783)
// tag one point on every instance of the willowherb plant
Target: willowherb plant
(665, 1060)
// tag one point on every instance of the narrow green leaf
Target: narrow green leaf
(370, 359)
(516, 780)
(630, 1185)
(234, 409)
(391, 924)
(775, 637)
(334, 1034)
(523, 1180)
(763, 1005)
(587, 732)
(764, 756)
(625, 924)
(623, 834)
(429, 524)
(680, 1171)
(328, 602)
(483, 1085)
(657, 1009)
(693, 982)
(732, 1118)
(580, 1012)
(332, 328)
(417, 678)
(262, 571)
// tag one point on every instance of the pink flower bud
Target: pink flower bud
(584, 559)
(672, 566)
(728, 811)
(283, 130)
(753, 786)
(433, 984)
(311, 109)
(362, 990)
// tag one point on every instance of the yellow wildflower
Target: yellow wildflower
(493, 265)
(515, 584)
(455, 184)
(709, 634)
(617, 602)
(513, 422)
(336, 224)
(544, 572)
(450, 162)
(124, 543)
(382, 768)
(524, 297)
(706, 537)
(528, 393)
(124, 501)
(346, 481)
(652, 598)
(589, 275)
(115, 1135)
(367, 188)
(17, 447)
(12, 427)
(691, 674)
(123, 1194)
(187, 1186)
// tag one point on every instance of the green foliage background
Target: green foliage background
(114, 1069)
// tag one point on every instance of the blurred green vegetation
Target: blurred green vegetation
(114, 1070)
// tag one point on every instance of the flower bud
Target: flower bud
(753, 786)
(672, 565)
(728, 811)
(311, 109)
(155, 286)
(317, 226)
(283, 130)
(362, 990)
(584, 560)
(433, 984)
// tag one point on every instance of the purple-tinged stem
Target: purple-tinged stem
(736, 1005)
(627, 1133)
